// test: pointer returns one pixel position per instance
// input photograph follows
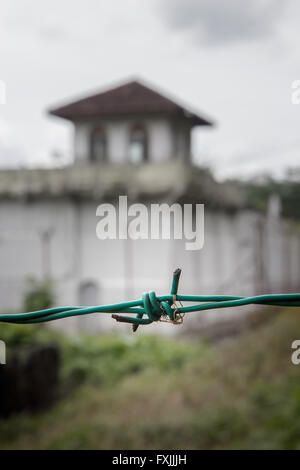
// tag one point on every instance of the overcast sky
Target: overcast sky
(235, 61)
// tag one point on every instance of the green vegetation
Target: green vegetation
(147, 392)
(39, 295)
(258, 190)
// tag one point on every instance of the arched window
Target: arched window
(138, 145)
(88, 293)
(88, 296)
(98, 145)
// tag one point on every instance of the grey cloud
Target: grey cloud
(219, 21)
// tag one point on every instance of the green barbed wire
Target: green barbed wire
(152, 308)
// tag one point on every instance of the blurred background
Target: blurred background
(164, 102)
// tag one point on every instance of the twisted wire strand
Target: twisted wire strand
(152, 308)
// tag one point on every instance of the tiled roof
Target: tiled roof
(129, 99)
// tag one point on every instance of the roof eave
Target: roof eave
(194, 119)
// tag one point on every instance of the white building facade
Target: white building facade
(133, 141)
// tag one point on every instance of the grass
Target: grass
(149, 393)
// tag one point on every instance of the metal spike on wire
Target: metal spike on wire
(152, 308)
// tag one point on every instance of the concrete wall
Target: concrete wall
(167, 139)
(58, 239)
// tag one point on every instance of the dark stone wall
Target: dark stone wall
(29, 380)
